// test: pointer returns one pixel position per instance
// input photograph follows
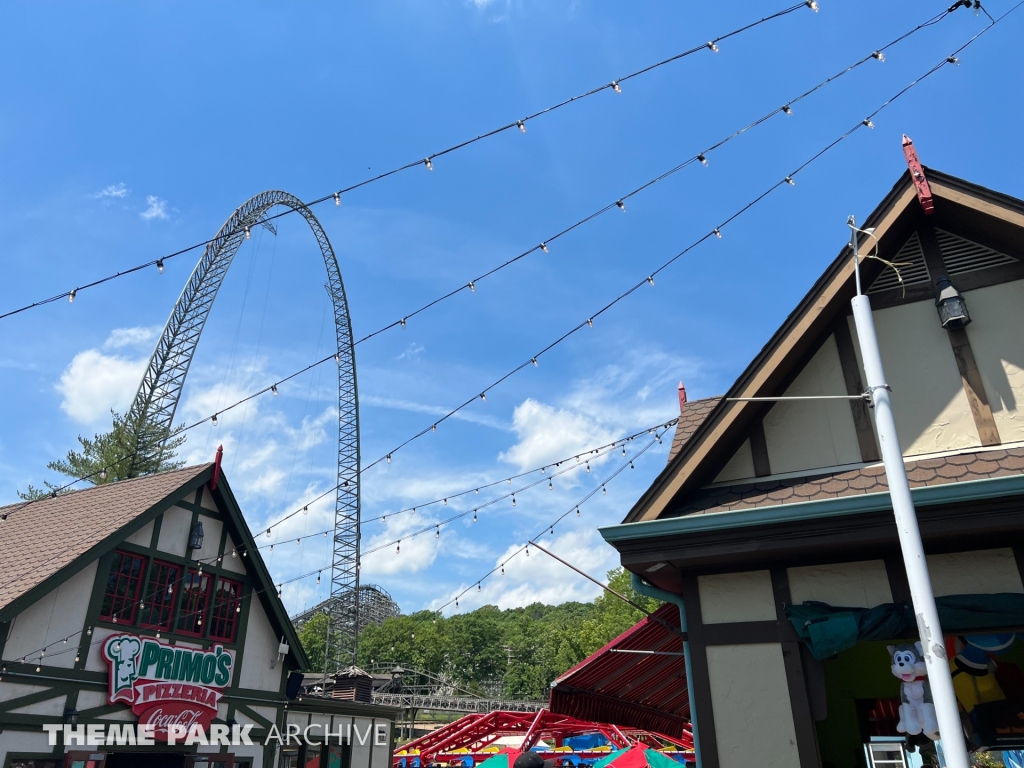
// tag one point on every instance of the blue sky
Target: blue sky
(129, 131)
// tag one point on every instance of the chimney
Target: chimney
(682, 397)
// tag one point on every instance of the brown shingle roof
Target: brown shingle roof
(830, 485)
(39, 539)
(691, 417)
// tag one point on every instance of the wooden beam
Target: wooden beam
(855, 386)
(759, 449)
(701, 704)
(970, 376)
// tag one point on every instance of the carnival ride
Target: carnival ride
(164, 378)
(473, 738)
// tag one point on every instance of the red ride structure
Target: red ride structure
(469, 736)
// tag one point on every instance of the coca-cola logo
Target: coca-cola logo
(169, 713)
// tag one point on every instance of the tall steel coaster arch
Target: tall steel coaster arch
(164, 378)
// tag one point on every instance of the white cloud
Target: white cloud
(538, 578)
(547, 434)
(119, 191)
(94, 383)
(431, 410)
(411, 352)
(132, 337)
(157, 209)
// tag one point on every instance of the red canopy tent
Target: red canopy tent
(638, 680)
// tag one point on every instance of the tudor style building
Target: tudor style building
(147, 601)
(771, 524)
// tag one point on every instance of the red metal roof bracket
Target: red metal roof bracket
(924, 192)
(216, 468)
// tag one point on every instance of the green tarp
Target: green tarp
(827, 629)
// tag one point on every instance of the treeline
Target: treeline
(517, 651)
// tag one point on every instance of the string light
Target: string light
(248, 234)
(389, 458)
(71, 296)
(398, 547)
(604, 491)
(502, 569)
(426, 162)
(103, 474)
(402, 322)
(590, 322)
(550, 486)
(588, 467)
(577, 510)
(268, 533)
(789, 180)
(160, 266)
(433, 427)
(478, 587)
(622, 205)
(787, 109)
(474, 515)
(337, 199)
(213, 419)
(336, 195)
(812, 4)
(522, 126)
(534, 361)
(712, 46)
(868, 123)
(305, 510)
(472, 287)
(703, 160)
(513, 499)
(273, 389)
(953, 60)
(716, 231)
(650, 279)
(544, 247)
(438, 533)
(878, 55)
(615, 86)
(318, 578)
(483, 396)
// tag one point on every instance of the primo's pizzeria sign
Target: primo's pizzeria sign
(165, 685)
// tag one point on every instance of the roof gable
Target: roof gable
(986, 218)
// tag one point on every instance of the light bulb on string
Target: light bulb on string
(550, 486)
(867, 121)
(318, 577)
(623, 451)
(337, 199)
(478, 588)
(426, 162)
(502, 569)
(789, 180)
(513, 499)
(787, 109)
(812, 4)
(717, 232)
(268, 533)
(534, 361)
(577, 511)
(953, 60)
(437, 533)
(522, 126)
(472, 286)
(305, 510)
(248, 234)
(615, 86)
(273, 389)
(160, 266)
(588, 467)
(389, 458)
(483, 396)
(590, 322)
(213, 419)
(402, 322)
(712, 46)
(544, 247)
(703, 160)
(71, 296)
(103, 474)
(398, 547)
(604, 491)
(433, 427)
(622, 205)
(474, 515)
(650, 279)
(878, 55)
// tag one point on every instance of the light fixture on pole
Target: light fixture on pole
(922, 597)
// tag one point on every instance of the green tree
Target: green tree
(132, 448)
(611, 616)
(313, 637)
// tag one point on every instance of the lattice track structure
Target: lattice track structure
(164, 379)
(414, 689)
(375, 607)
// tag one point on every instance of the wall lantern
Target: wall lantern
(71, 717)
(951, 305)
(195, 539)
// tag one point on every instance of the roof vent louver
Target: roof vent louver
(962, 255)
(910, 261)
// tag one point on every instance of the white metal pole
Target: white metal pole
(932, 641)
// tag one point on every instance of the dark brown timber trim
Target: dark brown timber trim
(806, 738)
(855, 386)
(701, 680)
(759, 449)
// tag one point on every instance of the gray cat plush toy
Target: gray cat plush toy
(917, 712)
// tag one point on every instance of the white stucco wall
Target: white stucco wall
(260, 649)
(57, 615)
(984, 571)
(931, 409)
(142, 537)
(997, 314)
(739, 467)
(235, 564)
(810, 434)
(23, 741)
(380, 753)
(361, 750)
(750, 701)
(732, 597)
(52, 707)
(174, 531)
(855, 585)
